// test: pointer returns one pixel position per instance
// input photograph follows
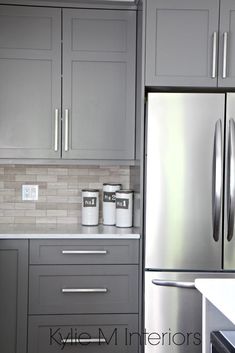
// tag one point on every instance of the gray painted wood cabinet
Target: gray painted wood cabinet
(190, 43)
(80, 285)
(30, 90)
(99, 84)
(13, 295)
(67, 83)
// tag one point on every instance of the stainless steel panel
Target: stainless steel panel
(179, 180)
(229, 238)
(173, 314)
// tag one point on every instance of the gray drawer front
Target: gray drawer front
(46, 285)
(46, 332)
(85, 251)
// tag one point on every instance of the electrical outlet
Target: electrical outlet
(29, 192)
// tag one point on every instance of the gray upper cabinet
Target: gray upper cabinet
(179, 42)
(13, 295)
(190, 43)
(67, 83)
(30, 63)
(226, 74)
(99, 84)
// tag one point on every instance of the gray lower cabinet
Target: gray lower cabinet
(13, 295)
(84, 296)
(99, 84)
(30, 88)
(83, 333)
(67, 83)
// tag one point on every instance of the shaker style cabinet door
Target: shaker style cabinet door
(226, 75)
(182, 42)
(13, 295)
(98, 84)
(30, 88)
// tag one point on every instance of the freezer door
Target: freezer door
(184, 171)
(173, 312)
(229, 219)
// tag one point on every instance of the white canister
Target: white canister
(90, 207)
(124, 208)
(109, 197)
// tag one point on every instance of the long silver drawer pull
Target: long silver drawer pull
(84, 290)
(84, 252)
(56, 130)
(83, 340)
(231, 180)
(225, 49)
(177, 284)
(214, 54)
(66, 130)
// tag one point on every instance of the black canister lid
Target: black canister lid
(124, 192)
(90, 190)
(112, 184)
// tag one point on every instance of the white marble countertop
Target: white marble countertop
(51, 231)
(221, 293)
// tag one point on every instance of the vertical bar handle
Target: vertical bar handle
(231, 179)
(66, 130)
(56, 138)
(214, 54)
(225, 50)
(217, 180)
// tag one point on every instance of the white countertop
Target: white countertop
(51, 231)
(221, 293)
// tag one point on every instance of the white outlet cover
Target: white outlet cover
(29, 192)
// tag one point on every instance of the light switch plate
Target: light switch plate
(29, 192)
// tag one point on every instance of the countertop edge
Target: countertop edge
(69, 236)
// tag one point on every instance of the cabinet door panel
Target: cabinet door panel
(227, 25)
(30, 81)
(99, 83)
(13, 295)
(179, 42)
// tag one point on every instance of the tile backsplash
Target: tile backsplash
(59, 199)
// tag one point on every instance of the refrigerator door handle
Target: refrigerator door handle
(217, 180)
(177, 284)
(231, 179)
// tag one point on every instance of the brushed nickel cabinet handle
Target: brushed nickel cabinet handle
(56, 138)
(225, 50)
(214, 54)
(177, 284)
(66, 130)
(82, 340)
(231, 180)
(84, 290)
(84, 252)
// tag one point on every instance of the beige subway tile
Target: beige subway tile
(58, 171)
(68, 192)
(48, 192)
(14, 213)
(98, 172)
(26, 178)
(67, 220)
(74, 213)
(87, 179)
(25, 220)
(1, 184)
(2, 170)
(6, 219)
(98, 186)
(14, 170)
(45, 220)
(6, 206)
(57, 185)
(78, 186)
(7, 177)
(7, 192)
(26, 205)
(2, 213)
(46, 206)
(78, 171)
(41, 198)
(55, 199)
(68, 178)
(57, 213)
(68, 206)
(73, 199)
(47, 178)
(17, 185)
(36, 170)
(36, 213)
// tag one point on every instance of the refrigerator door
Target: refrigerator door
(173, 312)
(229, 219)
(184, 171)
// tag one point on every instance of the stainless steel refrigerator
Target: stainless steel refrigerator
(189, 211)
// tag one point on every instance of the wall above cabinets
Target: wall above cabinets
(67, 83)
